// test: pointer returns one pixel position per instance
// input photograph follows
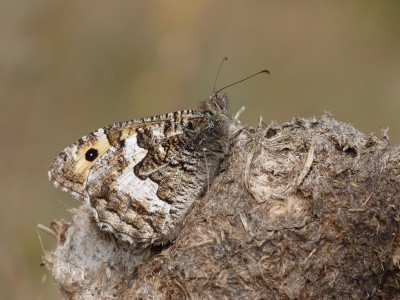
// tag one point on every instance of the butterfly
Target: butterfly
(141, 177)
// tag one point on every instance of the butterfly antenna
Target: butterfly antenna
(244, 79)
(219, 69)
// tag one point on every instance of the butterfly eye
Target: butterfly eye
(91, 154)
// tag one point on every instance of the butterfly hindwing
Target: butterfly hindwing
(141, 177)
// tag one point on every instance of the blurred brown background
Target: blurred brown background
(70, 67)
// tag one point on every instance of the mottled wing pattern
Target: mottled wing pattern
(141, 177)
(70, 169)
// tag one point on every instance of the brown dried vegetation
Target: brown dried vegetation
(304, 210)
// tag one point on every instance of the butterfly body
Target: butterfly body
(141, 177)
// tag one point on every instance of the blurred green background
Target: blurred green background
(70, 67)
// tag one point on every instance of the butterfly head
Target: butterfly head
(216, 104)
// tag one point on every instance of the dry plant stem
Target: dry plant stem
(304, 210)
